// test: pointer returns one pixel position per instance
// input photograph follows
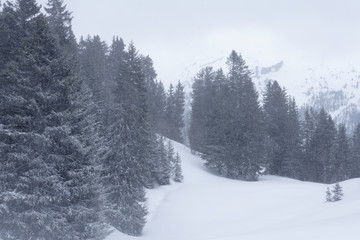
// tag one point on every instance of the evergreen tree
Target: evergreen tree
(320, 149)
(293, 159)
(170, 155)
(283, 130)
(159, 106)
(170, 112)
(129, 165)
(355, 153)
(226, 123)
(202, 109)
(94, 73)
(276, 115)
(163, 170)
(340, 166)
(60, 19)
(179, 99)
(178, 177)
(328, 195)
(337, 193)
(52, 195)
(308, 130)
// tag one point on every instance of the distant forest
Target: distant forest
(241, 138)
(84, 128)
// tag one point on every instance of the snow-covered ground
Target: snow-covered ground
(208, 207)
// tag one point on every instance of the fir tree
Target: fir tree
(126, 167)
(355, 153)
(340, 166)
(54, 176)
(178, 177)
(226, 121)
(179, 98)
(276, 115)
(94, 73)
(328, 195)
(170, 155)
(320, 149)
(163, 170)
(337, 193)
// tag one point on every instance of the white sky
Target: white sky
(177, 33)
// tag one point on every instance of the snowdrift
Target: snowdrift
(208, 207)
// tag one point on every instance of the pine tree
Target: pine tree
(337, 193)
(226, 121)
(179, 98)
(276, 115)
(129, 166)
(293, 159)
(328, 195)
(355, 153)
(27, 177)
(159, 105)
(178, 177)
(60, 19)
(308, 130)
(244, 126)
(170, 155)
(340, 166)
(94, 73)
(53, 183)
(163, 170)
(200, 105)
(319, 152)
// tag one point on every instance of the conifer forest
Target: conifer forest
(86, 129)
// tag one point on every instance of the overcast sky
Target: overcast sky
(178, 33)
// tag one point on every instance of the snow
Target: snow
(208, 207)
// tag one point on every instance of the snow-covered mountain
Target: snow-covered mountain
(332, 87)
(337, 90)
(208, 207)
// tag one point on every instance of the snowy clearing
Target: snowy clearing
(208, 207)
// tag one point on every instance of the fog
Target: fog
(178, 33)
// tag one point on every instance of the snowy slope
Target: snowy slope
(208, 207)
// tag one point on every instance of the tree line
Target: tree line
(241, 137)
(78, 139)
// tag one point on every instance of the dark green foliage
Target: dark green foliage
(163, 171)
(328, 154)
(202, 90)
(340, 166)
(166, 110)
(125, 169)
(336, 193)
(77, 147)
(123, 86)
(319, 143)
(226, 121)
(178, 177)
(283, 130)
(48, 178)
(173, 112)
(355, 154)
(94, 72)
(328, 196)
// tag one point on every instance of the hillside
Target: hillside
(208, 207)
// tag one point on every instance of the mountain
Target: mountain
(209, 207)
(336, 88)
